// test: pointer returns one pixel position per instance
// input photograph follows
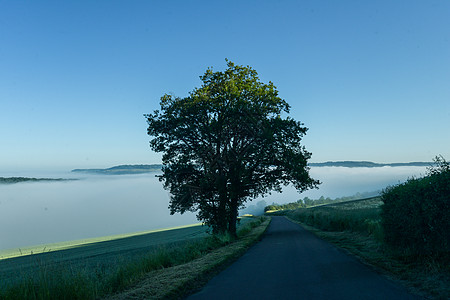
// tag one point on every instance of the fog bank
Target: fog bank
(47, 212)
(340, 182)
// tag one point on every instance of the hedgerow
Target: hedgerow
(416, 214)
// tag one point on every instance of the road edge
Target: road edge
(180, 281)
(391, 276)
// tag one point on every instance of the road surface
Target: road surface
(291, 263)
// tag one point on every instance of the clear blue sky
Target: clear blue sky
(371, 79)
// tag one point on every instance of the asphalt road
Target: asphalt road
(291, 263)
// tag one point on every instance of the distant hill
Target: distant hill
(8, 180)
(122, 170)
(368, 164)
(141, 169)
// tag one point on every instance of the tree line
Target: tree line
(308, 202)
(8, 180)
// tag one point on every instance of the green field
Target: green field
(93, 268)
(172, 234)
(91, 255)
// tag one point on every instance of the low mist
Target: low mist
(47, 212)
(339, 182)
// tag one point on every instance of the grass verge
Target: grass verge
(181, 280)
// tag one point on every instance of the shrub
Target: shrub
(416, 214)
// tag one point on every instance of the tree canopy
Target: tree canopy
(227, 142)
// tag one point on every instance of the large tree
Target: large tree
(227, 142)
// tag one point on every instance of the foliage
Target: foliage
(416, 214)
(225, 143)
(245, 229)
(440, 166)
(292, 205)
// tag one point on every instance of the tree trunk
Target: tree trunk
(221, 218)
(233, 217)
(235, 194)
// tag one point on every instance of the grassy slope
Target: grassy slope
(102, 255)
(355, 227)
(187, 230)
(91, 270)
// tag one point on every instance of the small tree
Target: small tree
(440, 166)
(225, 143)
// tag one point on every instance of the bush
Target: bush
(416, 214)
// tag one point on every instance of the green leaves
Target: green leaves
(226, 142)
